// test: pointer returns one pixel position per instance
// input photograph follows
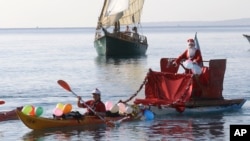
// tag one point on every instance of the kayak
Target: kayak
(41, 123)
(9, 115)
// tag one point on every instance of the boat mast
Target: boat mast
(99, 24)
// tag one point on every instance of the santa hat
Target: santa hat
(191, 42)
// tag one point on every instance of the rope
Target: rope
(184, 94)
(136, 93)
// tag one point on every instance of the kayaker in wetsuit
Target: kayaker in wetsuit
(191, 53)
(96, 104)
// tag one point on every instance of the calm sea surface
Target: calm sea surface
(32, 60)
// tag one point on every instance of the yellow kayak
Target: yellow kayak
(40, 123)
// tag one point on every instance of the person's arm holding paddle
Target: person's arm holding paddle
(96, 104)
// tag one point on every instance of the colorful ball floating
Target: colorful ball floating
(32, 111)
(67, 108)
(62, 109)
(38, 111)
(108, 105)
(27, 109)
(59, 106)
(122, 108)
(119, 107)
(115, 109)
(57, 112)
(128, 110)
(148, 115)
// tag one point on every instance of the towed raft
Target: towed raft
(168, 91)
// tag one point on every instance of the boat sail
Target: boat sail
(110, 40)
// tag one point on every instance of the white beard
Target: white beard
(191, 52)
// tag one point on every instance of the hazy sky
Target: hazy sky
(84, 13)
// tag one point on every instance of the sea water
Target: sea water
(32, 60)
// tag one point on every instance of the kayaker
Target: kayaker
(96, 104)
(191, 53)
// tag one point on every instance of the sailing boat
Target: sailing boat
(110, 40)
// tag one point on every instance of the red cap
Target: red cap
(190, 40)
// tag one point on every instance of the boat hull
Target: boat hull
(201, 107)
(9, 115)
(115, 46)
(40, 123)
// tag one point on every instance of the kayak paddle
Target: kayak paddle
(66, 86)
(2, 102)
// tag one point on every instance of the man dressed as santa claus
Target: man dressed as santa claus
(191, 54)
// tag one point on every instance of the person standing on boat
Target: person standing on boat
(135, 34)
(127, 29)
(117, 27)
(191, 53)
(96, 104)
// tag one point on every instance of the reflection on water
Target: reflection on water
(187, 128)
(175, 129)
(179, 127)
(120, 60)
(209, 127)
(90, 133)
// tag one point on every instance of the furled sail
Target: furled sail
(125, 11)
(116, 6)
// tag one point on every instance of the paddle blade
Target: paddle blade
(110, 124)
(2, 102)
(64, 84)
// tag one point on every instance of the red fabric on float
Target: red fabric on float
(166, 88)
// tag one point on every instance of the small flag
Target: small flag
(197, 45)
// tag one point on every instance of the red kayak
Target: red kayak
(9, 115)
(2, 102)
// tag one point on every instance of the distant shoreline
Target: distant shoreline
(145, 26)
(165, 24)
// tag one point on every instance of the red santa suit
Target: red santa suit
(194, 55)
(190, 53)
